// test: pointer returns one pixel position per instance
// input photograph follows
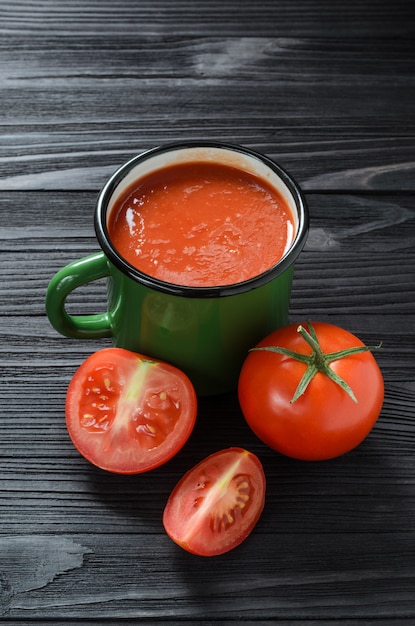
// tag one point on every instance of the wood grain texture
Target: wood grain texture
(204, 590)
(321, 107)
(326, 89)
(235, 17)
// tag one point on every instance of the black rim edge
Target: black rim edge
(201, 292)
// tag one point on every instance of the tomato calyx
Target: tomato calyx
(318, 361)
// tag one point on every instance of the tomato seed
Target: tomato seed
(87, 419)
(241, 502)
(147, 429)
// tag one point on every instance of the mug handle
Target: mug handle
(67, 279)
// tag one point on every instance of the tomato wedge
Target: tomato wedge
(217, 503)
(127, 413)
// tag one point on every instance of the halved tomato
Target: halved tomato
(217, 503)
(127, 413)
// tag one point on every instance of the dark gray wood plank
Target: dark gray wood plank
(337, 115)
(361, 567)
(236, 17)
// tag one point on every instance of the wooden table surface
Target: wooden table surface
(327, 89)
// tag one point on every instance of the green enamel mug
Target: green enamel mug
(205, 331)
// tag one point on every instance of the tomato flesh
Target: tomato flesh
(217, 503)
(127, 413)
(324, 422)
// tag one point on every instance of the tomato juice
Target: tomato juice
(201, 224)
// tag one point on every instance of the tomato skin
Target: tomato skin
(324, 422)
(217, 503)
(127, 413)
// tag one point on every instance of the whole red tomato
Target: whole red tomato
(311, 391)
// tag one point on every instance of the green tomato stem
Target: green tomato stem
(318, 361)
